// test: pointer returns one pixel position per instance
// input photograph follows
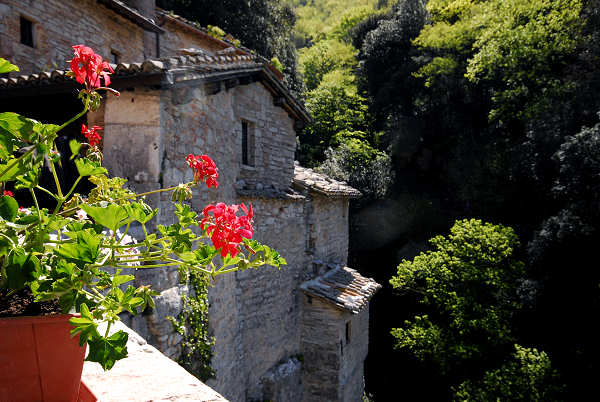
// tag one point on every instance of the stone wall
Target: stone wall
(319, 342)
(333, 363)
(254, 315)
(328, 224)
(355, 352)
(60, 24)
(179, 36)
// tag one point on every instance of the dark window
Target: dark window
(26, 32)
(115, 57)
(348, 332)
(245, 143)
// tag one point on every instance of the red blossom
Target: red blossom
(225, 228)
(91, 134)
(88, 67)
(204, 169)
(8, 193)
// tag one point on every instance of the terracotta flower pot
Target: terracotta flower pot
(39, 361)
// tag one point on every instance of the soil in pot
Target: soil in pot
(21, 304)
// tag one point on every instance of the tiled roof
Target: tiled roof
(176, 69)
(309, 179)
(344, 287)
(200, 63)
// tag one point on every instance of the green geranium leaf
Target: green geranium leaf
(29, 180)
(13, 171)
(21, 268)
(86, 249)
(186, 216)
(46, 131)
(8, 208)
(6, 66)
(140, 211)
(14, 127)
(75, 147)
(107, 351)
(86, 167)
(112, 216)
(77, 226)
(118, 279)
(84, 326)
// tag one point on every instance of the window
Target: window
(115, 57)
(348, 332)
(247, 143)
(26, 32)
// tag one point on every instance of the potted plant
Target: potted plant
(62, 254)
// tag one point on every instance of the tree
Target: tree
(527, 377)
(560, 255)
(467, 287)
(362, 166)
(520, 49)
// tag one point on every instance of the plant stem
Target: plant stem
(37, 207)
(73, 188)
(46, 191)
(58, 188)
(149, 266)
(133, 196)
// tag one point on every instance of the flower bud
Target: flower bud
(181, 193)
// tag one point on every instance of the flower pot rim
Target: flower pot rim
(37, 319)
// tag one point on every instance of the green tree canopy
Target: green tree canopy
(467, 287)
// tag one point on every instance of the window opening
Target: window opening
(115, 57)
(247, 143)
(348, 329)
(26, 32)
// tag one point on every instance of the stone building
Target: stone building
(183, 91)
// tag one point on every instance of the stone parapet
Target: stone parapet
(145, 375)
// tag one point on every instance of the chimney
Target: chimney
(145, 7)
(148, 9)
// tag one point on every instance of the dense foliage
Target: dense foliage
(468, 285)
(526, 377)
(342, 141)
(490, 110)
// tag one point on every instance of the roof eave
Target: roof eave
(132, 15)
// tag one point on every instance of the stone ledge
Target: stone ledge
(146, 375)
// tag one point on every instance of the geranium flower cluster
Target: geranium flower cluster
(204, 169)
(88, 68)
(92, 134)
(225, 228)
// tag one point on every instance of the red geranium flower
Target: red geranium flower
(204, 169)
(225, 228)
(88, 67)
(92, 135)
(8, 193)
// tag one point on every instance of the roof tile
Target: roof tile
(344, 287)
(309, 179)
